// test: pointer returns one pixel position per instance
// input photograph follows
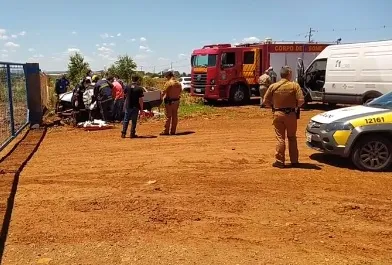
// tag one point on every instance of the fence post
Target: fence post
(33, 83)
(11, 102)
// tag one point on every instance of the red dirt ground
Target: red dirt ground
(210, 197)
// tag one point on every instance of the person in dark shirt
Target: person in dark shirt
(103, 95)
(133, 104)
(62, 85)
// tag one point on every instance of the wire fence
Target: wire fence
(13, 101)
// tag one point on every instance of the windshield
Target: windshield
(385, 101)
(187, 79)
(204, 60)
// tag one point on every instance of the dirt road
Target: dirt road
(210, 197)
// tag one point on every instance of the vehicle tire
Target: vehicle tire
(372, 153)
(239, 94)
(367, 100)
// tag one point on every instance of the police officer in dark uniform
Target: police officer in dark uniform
(285, 97)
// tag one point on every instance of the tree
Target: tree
(124, 67)
(77, 68)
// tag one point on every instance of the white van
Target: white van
(348, 73)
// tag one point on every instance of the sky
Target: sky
(158, 34)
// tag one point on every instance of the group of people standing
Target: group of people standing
(111, 100)
(134, 104)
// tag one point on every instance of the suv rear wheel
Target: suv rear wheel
(372, 153)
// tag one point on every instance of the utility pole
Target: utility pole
(141, 68)
(309, 35)
(171, 65)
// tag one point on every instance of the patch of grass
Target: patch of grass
(190, 107)
(193, 106)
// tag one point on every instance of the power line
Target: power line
(309, 33)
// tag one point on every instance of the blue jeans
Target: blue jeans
(130, 114)
(117, 109)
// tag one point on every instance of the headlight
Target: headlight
(339, 126)
(212, 82)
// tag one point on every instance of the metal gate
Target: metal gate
(14, 111)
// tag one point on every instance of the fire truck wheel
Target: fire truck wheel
(239, 94)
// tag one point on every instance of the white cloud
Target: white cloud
(182, 55)
(145, 48)
(38, 56)
(22, 33)
(72, 50)
(118, 34)
(104, 44)
(162, 59)
(56, 58)
(74, 32)
(111, 36)
(4, 37)
(140, 56)
(104, 49)
(133, 40)
(4, 51)
(11, 44)
(112, 44)
(3, 31)
(107, 56)
(31, 50)
(250, 40)
(14, 36)
(143, 39)
(96, 45)
(104, 36)
(4, 55)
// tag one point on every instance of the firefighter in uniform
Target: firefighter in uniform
(272, 74)
(264, 82)
(103, 95)
(285, 97)
(171, 96)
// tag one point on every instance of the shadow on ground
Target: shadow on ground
(256, 102)
(306, 166)
(335, 161)
(184, 133)
(11, 166)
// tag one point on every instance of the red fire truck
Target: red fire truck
(231, 72)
